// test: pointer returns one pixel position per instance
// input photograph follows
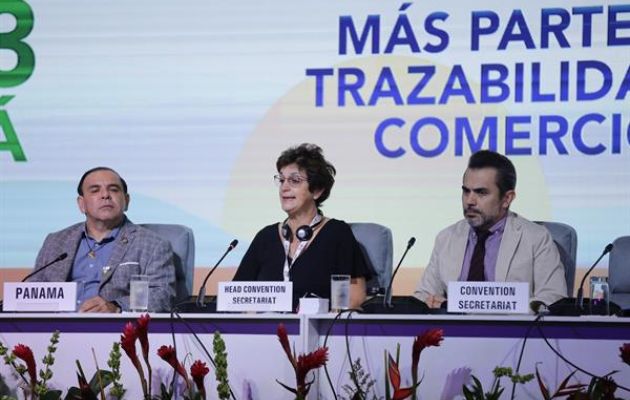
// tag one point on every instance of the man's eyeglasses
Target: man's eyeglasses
(294, 180)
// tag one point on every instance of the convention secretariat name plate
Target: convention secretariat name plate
(255, 296)
(40, 296)
(488, 297)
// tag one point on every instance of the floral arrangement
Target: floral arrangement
(476, 392)
(198, 369)
(430, 338)
(35, 385)
(302, 364)
(599, 388)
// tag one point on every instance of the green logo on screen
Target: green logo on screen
(13, 47)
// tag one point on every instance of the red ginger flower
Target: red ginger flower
(624, 353)
(198, 371)
(142, 332)
(308, 362)
(284, 342)
(25, 353)
(429, 338)
(304, 363)
(128, 343)
(167, 353)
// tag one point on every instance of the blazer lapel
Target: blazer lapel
(457, 251)
(510, 240)
(70, 247)
(125, 236)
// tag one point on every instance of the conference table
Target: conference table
(472, 345)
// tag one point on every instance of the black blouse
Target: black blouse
(334, 250)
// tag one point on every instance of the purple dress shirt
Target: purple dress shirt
(492, 251)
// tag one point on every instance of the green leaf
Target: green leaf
(475, 392)
(497, 394)
(290, 389)
(73, 394)
(51, 395)
(543, 389)
(107, 377)
(166, 394)
(467, 393)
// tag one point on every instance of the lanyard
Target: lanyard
(286, 244)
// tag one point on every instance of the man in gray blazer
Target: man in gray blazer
(105, 250)
(491, 243)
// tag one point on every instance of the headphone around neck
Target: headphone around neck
(302, 233)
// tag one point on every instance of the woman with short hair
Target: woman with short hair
(307, 247)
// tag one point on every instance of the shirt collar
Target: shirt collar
(498, 227)
(109, 238)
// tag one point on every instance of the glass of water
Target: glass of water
(600, 296)
(339, 292)
(139, 293)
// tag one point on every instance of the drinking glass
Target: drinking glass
(600, 296)
(339, 292)
(139, 293)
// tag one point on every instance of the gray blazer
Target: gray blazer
(137, 251)
(527, 254)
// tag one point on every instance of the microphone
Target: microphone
(575, 306)
(202, 290)
(580, 294)
(395, 304)
(60, 257)
(387, 301)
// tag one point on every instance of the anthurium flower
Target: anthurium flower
(624, 353)
(198, 371)
(167, 353)
(394, 378)
(25, 353)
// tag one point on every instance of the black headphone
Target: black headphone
(303, 233)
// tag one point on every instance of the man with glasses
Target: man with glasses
(492, 243)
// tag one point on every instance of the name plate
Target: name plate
(255, 296)
(488, 297)
(40, 296)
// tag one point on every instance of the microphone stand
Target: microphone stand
(199, 305)
(579, 301)
(395, 304)
(387, 301)
(575, 306)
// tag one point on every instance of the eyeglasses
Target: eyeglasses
(294, 180)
